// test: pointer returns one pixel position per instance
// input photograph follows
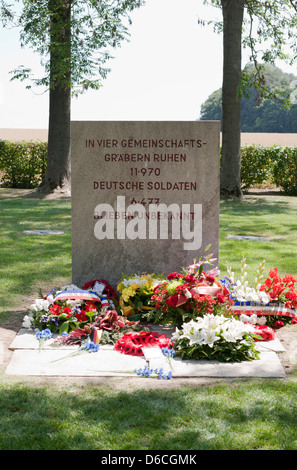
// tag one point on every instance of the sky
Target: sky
(169, 67)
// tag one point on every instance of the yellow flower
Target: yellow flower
(127, 293)
(120, 287)
(134, 286)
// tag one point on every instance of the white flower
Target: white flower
(176, 335)
(262, 320)
(244, 318)
(229, 335)
(264, 297)
(253, 319)
(211, 328)
(40, 304)
(209, 337)
(27, 321)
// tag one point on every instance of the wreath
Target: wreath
(109, 291)
(132, 343)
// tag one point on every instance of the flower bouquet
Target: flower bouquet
(273, 301)
(135, 294)
(184, 296)
(215, 337)
(64, 309)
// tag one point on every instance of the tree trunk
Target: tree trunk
(233, 11)
(57, 175)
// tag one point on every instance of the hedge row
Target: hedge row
(276, 165)
(22, 164)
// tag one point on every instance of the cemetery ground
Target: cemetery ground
(120, 413)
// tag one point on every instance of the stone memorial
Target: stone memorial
(145, 196)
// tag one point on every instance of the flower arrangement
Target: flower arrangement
(132, 343)
(215, 337)
(273, 301)
(215, 318)
(64, 309)
(136, 292)
(186, 295)
(281, 290)
(241, 290)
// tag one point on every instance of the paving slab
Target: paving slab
(29, 359)
(111, 363)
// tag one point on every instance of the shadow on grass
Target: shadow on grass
(28, 260)
(250, 206)
(251, 415)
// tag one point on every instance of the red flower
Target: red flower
(278, 324)
(67, 311)
(172, 300)
(190, 278)
(138, 352)
(172, 276)
(274, 275)
(55, 309)
(289, 278)
(81, 316)
(294, 320)
(266, 333)
(221, 298)
(149, 341)
(210, 278)
(291, 295)
(90, 306)
(132, 344)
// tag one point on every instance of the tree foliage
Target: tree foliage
(268, 29)
(95, 28)
(269, 115)
(74, 40)
(269, 33)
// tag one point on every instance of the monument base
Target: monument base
(28, 360)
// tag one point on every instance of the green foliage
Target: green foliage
(79, 40)
(271, 114)
(285, 170)
(222, 351)
(22, 164)
(275, 164)
(256, 165)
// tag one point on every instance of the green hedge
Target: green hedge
(276, 165)
(22, 164)
(285, 170)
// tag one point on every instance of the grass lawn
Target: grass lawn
(242, 414)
